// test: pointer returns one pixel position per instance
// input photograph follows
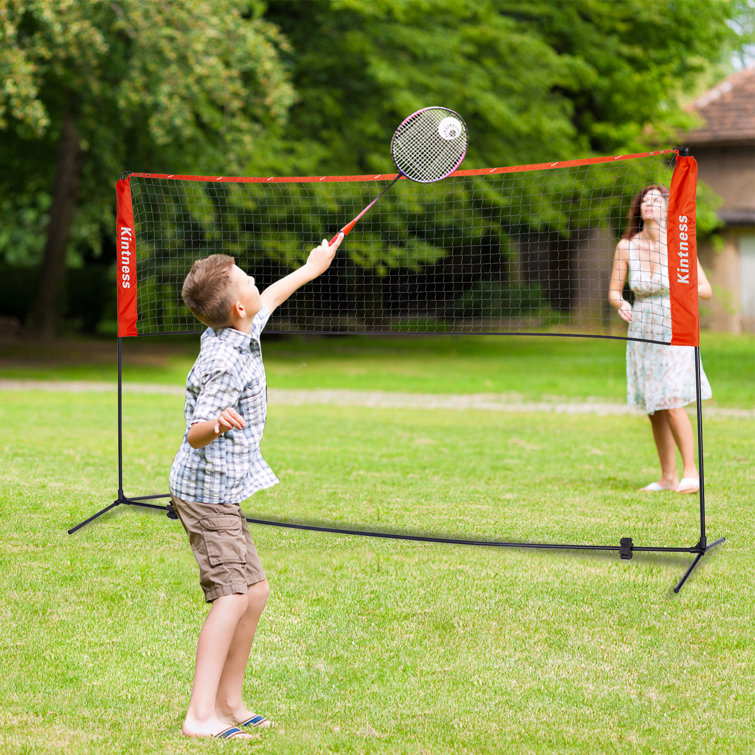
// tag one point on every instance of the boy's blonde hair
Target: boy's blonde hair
(207, 290)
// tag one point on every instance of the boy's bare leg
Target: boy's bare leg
(212, 650)
(230, 706)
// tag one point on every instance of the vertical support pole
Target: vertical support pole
(683, 289)
(700, 456)
(121, 496)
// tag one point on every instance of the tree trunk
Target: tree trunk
(51, 287)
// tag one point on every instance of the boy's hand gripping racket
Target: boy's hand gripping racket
(427, 147)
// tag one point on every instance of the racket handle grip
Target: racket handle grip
(345, 231)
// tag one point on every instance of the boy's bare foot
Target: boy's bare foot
(212, 728)
(246, 718)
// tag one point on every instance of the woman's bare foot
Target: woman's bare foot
(689, 485)
(660, 486)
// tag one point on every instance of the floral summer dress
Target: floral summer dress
(658, 376)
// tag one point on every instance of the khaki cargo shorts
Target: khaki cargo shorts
(221, 543)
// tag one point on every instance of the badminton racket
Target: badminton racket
(427, 147)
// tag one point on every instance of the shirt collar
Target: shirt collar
(230, 336)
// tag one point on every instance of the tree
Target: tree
(535, 79)
(91, 88)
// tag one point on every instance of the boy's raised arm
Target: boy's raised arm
(317, 263)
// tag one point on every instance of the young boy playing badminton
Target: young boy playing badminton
(218, 465)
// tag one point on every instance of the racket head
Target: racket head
(430, 144)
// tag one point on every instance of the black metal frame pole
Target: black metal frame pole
(702, 546)
(626, 548)
(121, 499)
(700, 455)
(120, 419)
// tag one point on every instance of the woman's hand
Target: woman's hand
(625, 311)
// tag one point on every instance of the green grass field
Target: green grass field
(575, 368)
(380, 645)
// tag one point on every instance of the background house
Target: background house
(724, 147)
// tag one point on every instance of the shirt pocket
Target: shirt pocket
(224, 539)
(254, 406)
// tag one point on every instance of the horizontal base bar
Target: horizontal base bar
(141, 502)
(625, 549)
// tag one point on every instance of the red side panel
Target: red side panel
(682, 254)
(126, 256)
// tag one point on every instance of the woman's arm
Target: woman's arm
(704, 289)
(619, 273)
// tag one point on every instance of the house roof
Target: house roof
(727, 111)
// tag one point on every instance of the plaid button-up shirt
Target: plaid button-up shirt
(228, 373)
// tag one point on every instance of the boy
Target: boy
(218, 465)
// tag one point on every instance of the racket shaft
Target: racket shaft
(345, 230)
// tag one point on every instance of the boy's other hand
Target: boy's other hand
(321, 256)
(229, 419)
(202, 433)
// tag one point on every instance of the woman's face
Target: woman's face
(653, 206)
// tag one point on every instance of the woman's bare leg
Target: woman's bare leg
(666, 447)
(681, 427)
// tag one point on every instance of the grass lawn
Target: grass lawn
(378, 645)
(576, 368)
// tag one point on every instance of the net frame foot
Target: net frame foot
(124, 501)
(703, 549)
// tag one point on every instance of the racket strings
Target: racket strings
(422, 152)
(426, 154)
(429, 158)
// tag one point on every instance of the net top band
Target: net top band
(392, 176)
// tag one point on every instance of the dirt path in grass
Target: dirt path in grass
(496, 402)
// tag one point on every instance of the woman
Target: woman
(660, 379)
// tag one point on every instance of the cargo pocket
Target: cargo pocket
(224, 539)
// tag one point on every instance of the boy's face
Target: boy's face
(247, 292)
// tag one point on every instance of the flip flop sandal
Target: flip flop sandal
(654, 487)
(256, 722)
(689, 485)
(230, 733)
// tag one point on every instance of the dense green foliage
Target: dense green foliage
(148, 86)
(536, 80)
(284, 87)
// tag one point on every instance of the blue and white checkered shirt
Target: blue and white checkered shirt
(228, 373)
